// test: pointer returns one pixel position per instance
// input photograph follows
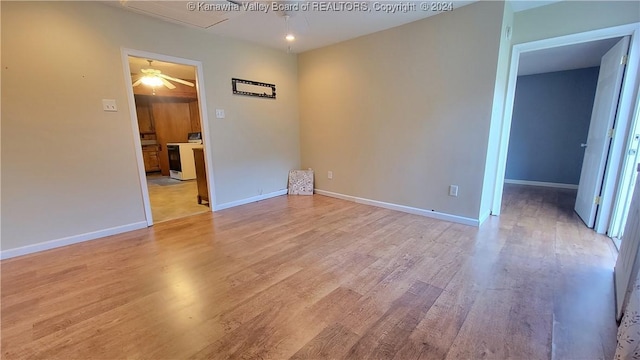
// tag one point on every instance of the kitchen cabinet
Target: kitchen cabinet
(145, 116)
(165, 119)
(150, 158)
(194, 111)
(173, 124)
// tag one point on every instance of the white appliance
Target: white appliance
(181, 161)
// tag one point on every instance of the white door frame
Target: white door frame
(627, 181)
(628, 99)
(204, 122)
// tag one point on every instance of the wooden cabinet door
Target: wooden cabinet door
(173, 124)
(145, 118)
(194, 109)
(150, 157)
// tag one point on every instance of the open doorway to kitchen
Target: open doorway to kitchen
(172, 139)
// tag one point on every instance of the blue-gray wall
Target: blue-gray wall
(551, 116)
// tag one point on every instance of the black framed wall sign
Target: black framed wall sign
(253, 88)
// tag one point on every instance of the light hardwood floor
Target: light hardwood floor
(173, 199)
(316, 277)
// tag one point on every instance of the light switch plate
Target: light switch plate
(220, 113)
(109, 105)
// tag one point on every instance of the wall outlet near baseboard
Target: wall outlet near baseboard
(453, 190)
(329, 174)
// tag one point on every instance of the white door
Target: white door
(603, 115)
(627, 264)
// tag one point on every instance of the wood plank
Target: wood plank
(434, 335)
(384, 338)
(194, 111)
(332, 343)
(318, 277)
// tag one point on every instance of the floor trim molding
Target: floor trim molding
(541, 183)
(69, 240)
(484, 217)
(249, 200)
(402, 208)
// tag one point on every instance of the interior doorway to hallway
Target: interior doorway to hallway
(617, 161)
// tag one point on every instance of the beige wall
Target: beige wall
(401, 114)
(570, 17)
(69, 168)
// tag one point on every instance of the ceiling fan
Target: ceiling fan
(154, 78)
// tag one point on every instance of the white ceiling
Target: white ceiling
(313, 28)
(577, 56)
(522, 5)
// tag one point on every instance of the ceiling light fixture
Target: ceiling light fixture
(151, 80)
(289, 37)
(155, 78)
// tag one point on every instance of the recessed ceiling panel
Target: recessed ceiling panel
(199, 14)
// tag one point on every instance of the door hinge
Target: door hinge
(596, 200)
(623, 60)
(610, 133)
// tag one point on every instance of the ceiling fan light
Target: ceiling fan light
(290, 37)
(152, 81)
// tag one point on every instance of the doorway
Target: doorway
(552, 118)
(624, 120)
(170, 130)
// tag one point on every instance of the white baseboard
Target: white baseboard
(402, 208)
(484, 217)
(69, 240)
(249, 200)
(541, 183)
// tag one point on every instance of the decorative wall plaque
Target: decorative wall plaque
(253, 88)
(300, 182)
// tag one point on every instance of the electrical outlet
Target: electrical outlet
(330, 174)
(453, 190)
(220, 113)
(109, 105)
